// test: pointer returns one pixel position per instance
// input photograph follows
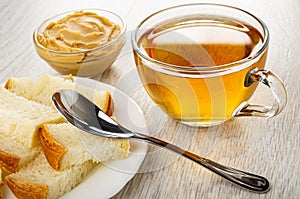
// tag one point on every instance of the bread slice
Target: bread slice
(20, 118)
(14, 155)
(1, 185)
(38, 90)
(63, 146)
(37, 180)
(41, 90)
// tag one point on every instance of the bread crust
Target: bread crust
(8, 84)
(53, 150)
(9, 162)
(24, 190)
(1, 185)
(110, 105)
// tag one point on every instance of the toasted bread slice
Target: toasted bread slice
(41, 90)
(37, 180)
(63, 147)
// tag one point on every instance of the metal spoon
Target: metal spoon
(85, 115)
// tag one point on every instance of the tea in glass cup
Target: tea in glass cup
(200, 63)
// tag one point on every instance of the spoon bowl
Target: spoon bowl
(85, 115)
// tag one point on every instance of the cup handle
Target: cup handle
(278, 90)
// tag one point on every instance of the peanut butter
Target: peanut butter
(78, 32)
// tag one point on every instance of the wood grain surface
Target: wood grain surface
(268, 147)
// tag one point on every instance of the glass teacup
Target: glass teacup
(201, 63)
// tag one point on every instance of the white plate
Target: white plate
(108, 179)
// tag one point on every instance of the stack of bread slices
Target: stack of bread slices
(41, 153)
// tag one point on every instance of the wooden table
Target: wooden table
(269, 147)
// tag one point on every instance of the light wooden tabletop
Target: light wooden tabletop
(268, 147)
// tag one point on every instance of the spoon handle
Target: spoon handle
(246, 180)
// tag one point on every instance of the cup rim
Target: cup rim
(232, 66)
(122, 33)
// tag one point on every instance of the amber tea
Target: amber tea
(199, 43)
(201, 63)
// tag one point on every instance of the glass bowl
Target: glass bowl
(86, 62)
